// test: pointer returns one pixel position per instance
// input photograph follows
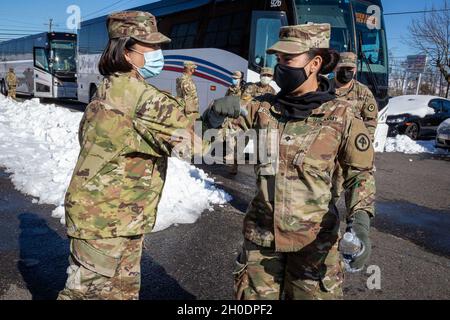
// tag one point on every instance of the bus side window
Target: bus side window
(40, 59)
(183, 35)
(226, 32)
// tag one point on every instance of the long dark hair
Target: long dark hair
(330, 59)
(113, 58)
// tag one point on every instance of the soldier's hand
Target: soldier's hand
(361, 227)
(228, 107)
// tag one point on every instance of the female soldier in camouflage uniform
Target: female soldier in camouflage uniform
(126, 136)
(291, 228)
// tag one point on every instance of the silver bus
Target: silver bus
(45, 65)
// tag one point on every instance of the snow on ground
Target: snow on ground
(404, 144)
(39, 148)
(411, 104)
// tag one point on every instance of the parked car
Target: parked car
(416, 116)
(443, 135)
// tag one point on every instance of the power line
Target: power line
(17, 26)
(20, 30)
(20, 22)
(100, 10)
(414, 12)
(15, 34)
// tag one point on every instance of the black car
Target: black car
(416, 127)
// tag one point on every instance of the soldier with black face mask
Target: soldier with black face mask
(359, 95)
(291, 228)
(364, 106)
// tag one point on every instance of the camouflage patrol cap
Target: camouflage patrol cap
(190, 64)
(237, 75)
(301, 38)
(11, 69)
(268, 71)
(138, 25)
(348, 59)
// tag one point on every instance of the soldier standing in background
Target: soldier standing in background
(261, 88)
(360, 97)
(186, 88)
(230, 148)
(238, 85)
(11, 82)
(358, 94)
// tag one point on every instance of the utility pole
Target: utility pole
(50, 25)
(418, 84)
(405, 82)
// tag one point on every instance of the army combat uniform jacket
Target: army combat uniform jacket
(187, 91)
(126, 135)
(234, 91)
(364, 104)
(255, 90)
(293, 203)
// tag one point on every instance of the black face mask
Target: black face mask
(289, 78)
(344, 76)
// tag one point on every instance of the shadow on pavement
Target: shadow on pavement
(158, 285)
(44, 261)
(43, 257)
(423, 226)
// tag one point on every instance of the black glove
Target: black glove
(361, 227)
(229, 107)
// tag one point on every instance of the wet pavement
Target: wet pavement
(426, 227)
(410, 240)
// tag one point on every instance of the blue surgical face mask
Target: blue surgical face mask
(235, 82)
(154, 63)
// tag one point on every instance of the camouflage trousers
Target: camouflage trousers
(12, 92)
(314, 273)
(104, 269)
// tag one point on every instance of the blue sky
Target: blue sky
(397, 25)
(31, 15)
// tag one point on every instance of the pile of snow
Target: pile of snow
(39, 148)
(405, 144)
(187, 193)
(416, 105)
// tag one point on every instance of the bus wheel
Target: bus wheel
(3, 88)
(92, 92)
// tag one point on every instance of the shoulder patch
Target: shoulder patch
(359, 152)
(362, 142)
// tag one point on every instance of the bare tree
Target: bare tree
(430, 34)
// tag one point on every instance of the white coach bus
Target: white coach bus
(45, 65)
(223, 36)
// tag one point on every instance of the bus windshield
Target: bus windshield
(335, 12)
(63, 54)
(371, 42)
(266, 26)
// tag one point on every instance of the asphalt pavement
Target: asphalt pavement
(411, 239)
(195, 261)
